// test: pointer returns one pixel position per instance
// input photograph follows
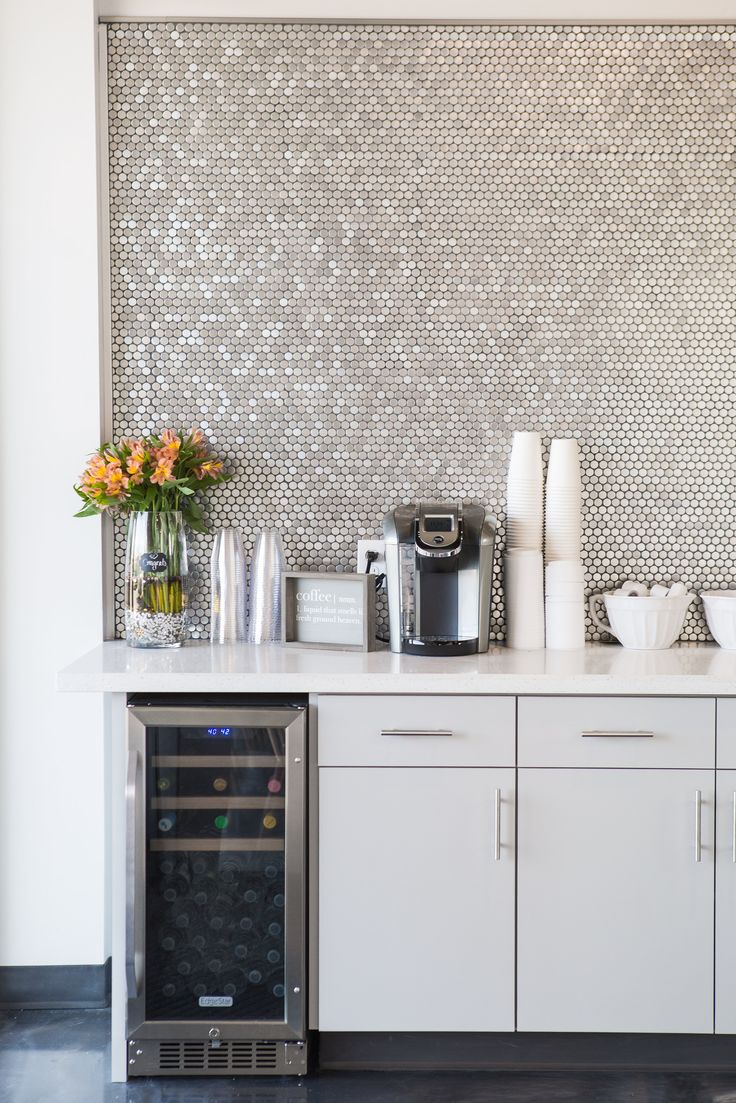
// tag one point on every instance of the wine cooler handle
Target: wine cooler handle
(497, 818)
(131, 867)
(733, 829)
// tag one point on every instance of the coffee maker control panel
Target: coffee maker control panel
(438, 531)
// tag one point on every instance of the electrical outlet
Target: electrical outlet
(378, 566)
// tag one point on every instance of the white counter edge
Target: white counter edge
(687, 670)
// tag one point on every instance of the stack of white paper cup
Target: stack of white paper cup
(562, 525)
(524, 588)
(524, 493)
(564, 606)
(564, 583)
(523, 563)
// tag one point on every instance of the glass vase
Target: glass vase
(156, 575)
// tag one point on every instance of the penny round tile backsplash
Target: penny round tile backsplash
(360, 256)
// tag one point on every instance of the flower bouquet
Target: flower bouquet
(154, 481)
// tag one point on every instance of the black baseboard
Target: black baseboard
(516, 1052)
(54, 986)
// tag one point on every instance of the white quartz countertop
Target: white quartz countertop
(690, 670)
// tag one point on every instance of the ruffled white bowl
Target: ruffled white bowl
(720, 613)
(642, 623)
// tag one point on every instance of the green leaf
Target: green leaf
(87, 511)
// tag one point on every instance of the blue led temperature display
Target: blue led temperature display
(219, 731)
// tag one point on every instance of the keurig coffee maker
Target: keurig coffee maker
(439, 563)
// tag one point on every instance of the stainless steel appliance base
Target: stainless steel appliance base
(436, 645)
(189, 1057)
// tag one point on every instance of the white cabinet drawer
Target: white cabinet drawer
(726, 733)
(617, 731)
(416, 731)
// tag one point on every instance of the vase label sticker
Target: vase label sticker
(154, 562)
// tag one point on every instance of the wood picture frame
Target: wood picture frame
(330, 611)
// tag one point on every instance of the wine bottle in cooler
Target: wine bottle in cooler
(256, 973)
(275, 982)
(172, 938)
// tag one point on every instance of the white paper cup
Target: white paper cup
(526, 455)
(564, 570)
(564, 624)
(563, 468)
(524, 590)
(565, 591)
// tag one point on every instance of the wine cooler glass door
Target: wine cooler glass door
(216, 864)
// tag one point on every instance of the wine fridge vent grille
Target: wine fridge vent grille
(228, 1056)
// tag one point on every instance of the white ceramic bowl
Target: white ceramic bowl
(720, 613)
(643, 623)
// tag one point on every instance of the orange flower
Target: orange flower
(115, 480)
(171, 441)
(163, 473)
(198, 446)
(94, 470)
(211, 468)
(136, 459)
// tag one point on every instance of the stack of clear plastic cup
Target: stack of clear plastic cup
(264, 622)
(229, 593)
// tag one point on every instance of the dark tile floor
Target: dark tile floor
(63, 1057)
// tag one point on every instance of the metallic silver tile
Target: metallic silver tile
(360, 256)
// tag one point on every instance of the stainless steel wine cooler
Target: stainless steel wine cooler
(215, 924)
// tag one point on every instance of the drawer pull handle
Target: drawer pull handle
(412, 731)
(698, 824)
(497, 816)
(618, 735)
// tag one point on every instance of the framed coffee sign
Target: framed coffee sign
(332, 611)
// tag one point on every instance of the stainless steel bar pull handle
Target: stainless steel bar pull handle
(413, 731)
(698, 825)
(131, 887)
(733, 829)
(618, 735)
(497, 818)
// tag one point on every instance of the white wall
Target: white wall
(51, 750)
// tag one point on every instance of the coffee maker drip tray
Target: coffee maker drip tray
(439, 645)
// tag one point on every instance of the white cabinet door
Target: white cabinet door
(615, 927)
(416, 899)
(725, 900)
